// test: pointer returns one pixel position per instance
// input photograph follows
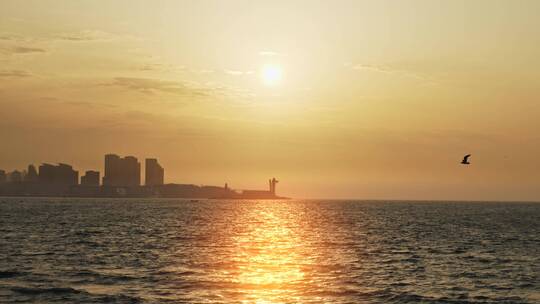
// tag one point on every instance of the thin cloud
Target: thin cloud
(203, 71)
(86, 104)
(153, 86)
(238, 73)
(159, 67)
(80, 36)
(10, 37)
(390, 71)
(232, 72)
(371, 67)
(88, 36)
(26, 50)
(22, 50)
(14, 74)
(270, 54)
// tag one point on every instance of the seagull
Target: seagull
(465, 160)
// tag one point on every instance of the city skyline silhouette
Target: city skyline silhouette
(121, 178)
(357, 99)
(270, 151)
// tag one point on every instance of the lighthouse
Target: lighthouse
(272, 185)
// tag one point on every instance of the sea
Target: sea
(67, 250)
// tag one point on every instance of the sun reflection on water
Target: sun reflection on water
(269, 257)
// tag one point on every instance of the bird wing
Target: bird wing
(466, 157)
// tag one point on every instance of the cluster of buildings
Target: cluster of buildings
(61, 173)
(122, 178)
(119, 172)
(126, 172)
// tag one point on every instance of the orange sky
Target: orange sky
(377, 99)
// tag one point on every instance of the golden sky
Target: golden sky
(337, 99)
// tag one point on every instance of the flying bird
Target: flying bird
(465, 160)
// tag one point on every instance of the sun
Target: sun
(271, 74)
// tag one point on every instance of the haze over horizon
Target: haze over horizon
(341, 99)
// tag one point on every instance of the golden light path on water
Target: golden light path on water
(270, 257)
(341, 252)
(268, 252)
(283, 252)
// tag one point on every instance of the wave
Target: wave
(68, 294)
(9, 274)
(51, 290)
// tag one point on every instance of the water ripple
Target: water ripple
(177, 251)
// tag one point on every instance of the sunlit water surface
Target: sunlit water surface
(178, 251)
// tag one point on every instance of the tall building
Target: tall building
(153, 172)
(112, 169)
(59, 174)
(3, 177)
(132, 169)
(121, 172)
(15, 176)
(46, 173)
(31, 174)
(90, 178)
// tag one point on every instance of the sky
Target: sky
(336, 99)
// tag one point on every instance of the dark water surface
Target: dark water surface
(177, 251)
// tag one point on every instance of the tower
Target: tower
(272, 185)
(153, 172)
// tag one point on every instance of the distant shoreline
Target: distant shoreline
(149, 197)
(188, 191)
(419, 201)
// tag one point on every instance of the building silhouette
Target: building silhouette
(60, 174)
(262, 194)
(3, 176)
(121, 172)
(31, 174)
(90, 178)
(272, 185)
(154, 173)
(122, 178)
(15, 176)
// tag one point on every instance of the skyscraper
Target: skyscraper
(153, 172)
(15, 176)
(112, 169)
(59, 174)
(132, 171)
(31, 174)
(121, 172)
(3, 176)
(90, 178)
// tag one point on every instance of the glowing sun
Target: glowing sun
(271, 75)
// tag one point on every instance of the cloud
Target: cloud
(371, 67)
(87, 36)
(270, 53)
(159, 67)
(86, 104)
(238, 73)
(14, 74)
(15, 50)
(203, 71)
(10, 37)
(152, 86)
(390, 71)
(26, 50)
(80, 36)
(150, 67)
(17, 38)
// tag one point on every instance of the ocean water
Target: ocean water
(179, 251)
